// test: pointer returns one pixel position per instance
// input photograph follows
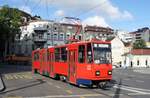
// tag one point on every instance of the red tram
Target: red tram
(85, 63)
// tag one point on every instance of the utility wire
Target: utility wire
(47, 12)
(36, 5)
(90, 9)
(25, 4)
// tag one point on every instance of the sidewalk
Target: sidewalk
(142, 70)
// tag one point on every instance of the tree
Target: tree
(10, 21)
(139, 44)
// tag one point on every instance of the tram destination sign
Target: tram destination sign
(102, 45)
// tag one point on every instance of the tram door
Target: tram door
(72, 66)
(51, 64)
(41, 60)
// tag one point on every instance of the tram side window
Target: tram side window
(63, 54)
(48, 55)
(81, 54)
(89, 53)
(57, 54)
(36, 56)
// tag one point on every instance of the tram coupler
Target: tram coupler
(104, 85)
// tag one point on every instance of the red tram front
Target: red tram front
(86, 63)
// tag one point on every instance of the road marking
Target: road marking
(8, 77)
(68, 96)
(49, 83)
(15, 77)
(138, 94)
(136, 90)
(18, 76)
(127, 79)
(140, 89)
(58, 86)
(69, 91)
(139, 81)
(27, 76)
(13, 97)
(82, 97)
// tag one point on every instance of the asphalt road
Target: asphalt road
(21, 83)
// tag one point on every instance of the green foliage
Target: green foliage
(139, 44)
(10, 21)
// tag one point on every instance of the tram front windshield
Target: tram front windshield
(102, 53)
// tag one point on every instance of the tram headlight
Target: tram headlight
(109, 72)
(97, 73)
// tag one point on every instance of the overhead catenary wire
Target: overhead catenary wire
(90, 9)
(47, 12)
(25, 4)
(36, 5)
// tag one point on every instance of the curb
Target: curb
(2, 85)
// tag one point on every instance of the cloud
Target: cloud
(26, 9)
(113, 11)
(97, 6)
(60, 13)
(95, 20)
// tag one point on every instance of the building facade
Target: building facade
(42, 34)
(33, 36)
(137, 58)
(143, 33)
(101, 33)
(117, 47)
(124, 36)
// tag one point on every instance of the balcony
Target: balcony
(39, 40)
(40, 30)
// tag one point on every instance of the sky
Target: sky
(127, 15)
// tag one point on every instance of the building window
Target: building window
(51, 36)
(79, 37)
(48, 36)
(55, 28)
(138, 62)
(40, 36)
(67, 37)
(55, 37)
(74, 37)
(61, 36)
(146, 62)
(131, 63)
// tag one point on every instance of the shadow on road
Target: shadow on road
(95, 89)
(27, 85)
(118, 90)
(5, 68)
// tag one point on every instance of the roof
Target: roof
(99, 29)
(141, 30)
(140, 51)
